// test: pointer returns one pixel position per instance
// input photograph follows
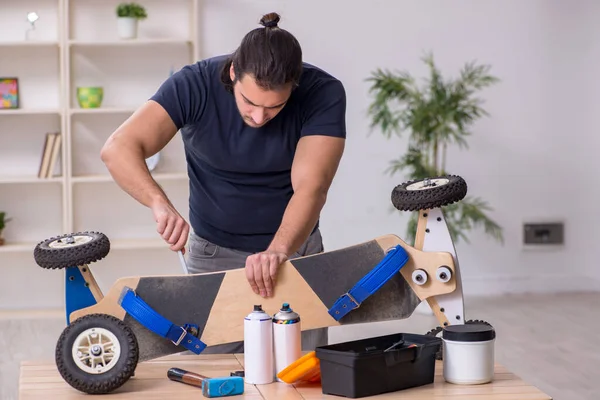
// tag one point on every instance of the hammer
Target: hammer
(211, 387)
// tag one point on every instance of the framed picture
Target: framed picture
(9, 93)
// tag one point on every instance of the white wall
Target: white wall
(546, 54)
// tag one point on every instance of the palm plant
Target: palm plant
(437, 115)
(3, 221)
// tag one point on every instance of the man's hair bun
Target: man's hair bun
(270, 20)
(271, 55)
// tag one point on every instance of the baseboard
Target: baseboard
(510, 284)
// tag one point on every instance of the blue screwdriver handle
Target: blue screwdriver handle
(223, 386)
(211, 387)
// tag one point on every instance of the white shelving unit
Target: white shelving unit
(76, 44)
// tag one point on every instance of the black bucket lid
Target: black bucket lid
(476, 332)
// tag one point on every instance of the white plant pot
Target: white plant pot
(127, 27)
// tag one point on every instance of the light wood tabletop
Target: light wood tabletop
(41, 380)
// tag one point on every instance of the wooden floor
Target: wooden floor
(550, 341)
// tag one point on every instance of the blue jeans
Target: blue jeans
(204, 256)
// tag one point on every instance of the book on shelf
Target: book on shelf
(50, 154)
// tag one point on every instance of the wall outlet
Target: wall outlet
(551, 233)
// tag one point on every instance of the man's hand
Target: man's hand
(261, 271)
(171, 225)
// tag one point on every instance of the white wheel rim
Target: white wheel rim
(96, 350)
(428, 184)
(70, 241)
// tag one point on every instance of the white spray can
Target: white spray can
(258, 347)
(287, 339)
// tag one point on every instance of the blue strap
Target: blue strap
(394, 260)
(158, 324)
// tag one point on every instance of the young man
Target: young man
(264, 133)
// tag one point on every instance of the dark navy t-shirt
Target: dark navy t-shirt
(240, 177)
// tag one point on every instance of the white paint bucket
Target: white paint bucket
(468, 353)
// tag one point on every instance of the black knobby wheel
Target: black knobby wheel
(424, 194)
(71, 250)
(437, 331)
(97, 353)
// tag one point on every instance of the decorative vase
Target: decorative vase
(127, 27)
(90, 96)
(1, 239)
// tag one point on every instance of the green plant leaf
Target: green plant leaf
(436, 114)
(131, 10)
(411, 228)
(3, 220)
(461, 217)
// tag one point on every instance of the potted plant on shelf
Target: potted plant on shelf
(436, 115)
(3, 221)
(128, 16)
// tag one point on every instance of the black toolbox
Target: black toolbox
(376, 365)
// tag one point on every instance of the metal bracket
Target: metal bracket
(78, 293)
(433, 235)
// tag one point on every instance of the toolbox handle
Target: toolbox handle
(394, 357)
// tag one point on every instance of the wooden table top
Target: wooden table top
(41, 380)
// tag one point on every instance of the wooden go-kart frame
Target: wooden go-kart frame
(145, 317)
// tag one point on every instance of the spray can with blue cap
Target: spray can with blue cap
(287, 339)
(258, 347)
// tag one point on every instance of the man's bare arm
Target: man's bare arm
(315, 164)
(142, 135)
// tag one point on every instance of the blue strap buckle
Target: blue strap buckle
(394, 260)
(145, 315)
(352, 299)
(183, 333)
